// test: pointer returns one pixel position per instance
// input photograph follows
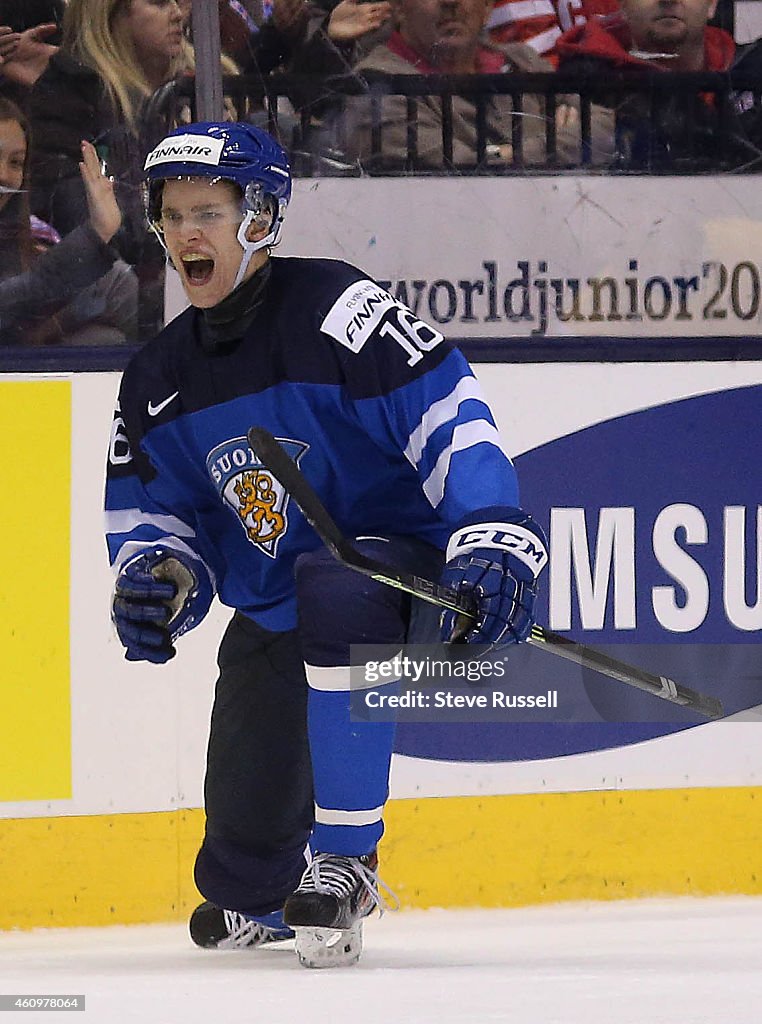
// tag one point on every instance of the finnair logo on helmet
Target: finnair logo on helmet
(197, 149)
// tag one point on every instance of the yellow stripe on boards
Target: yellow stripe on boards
(506, 851)
(99, 869)
(498, 851)
(35, 714)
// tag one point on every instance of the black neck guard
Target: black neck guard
(227, 322)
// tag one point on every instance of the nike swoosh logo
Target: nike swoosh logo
(154, 410)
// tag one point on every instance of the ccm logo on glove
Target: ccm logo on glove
(498, 563)
(508, 538)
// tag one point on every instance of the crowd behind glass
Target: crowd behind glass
(351, 87)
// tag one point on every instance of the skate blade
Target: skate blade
(329, 947)
(267, 940)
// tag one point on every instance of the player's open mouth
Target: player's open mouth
(198, 269)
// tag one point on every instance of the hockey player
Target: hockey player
(387, 422)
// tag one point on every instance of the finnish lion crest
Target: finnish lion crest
(260, 503)
(257, 496)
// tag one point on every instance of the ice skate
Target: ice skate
(327, 909)
(214, 928)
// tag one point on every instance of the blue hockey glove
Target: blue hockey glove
(498, 561)
(159, 595)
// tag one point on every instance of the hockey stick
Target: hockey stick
(273, 457)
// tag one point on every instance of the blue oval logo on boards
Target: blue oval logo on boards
(655, 556)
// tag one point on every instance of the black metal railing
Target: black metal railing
(696, 122)
(308, 114)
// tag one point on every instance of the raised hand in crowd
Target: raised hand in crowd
(52, 290)
(30, 54)
(105, 215)
(9, 40)
(351, 19)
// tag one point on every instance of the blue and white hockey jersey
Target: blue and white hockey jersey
(383, 416)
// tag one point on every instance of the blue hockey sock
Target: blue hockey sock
(272, 920)
(350, 764)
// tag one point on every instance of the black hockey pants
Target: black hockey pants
(258, 791)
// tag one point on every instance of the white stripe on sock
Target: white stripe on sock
(331, 816)
(339, 678)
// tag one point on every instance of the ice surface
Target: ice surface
(688, 961)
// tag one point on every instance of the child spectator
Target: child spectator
(114, 55)
(39, 276)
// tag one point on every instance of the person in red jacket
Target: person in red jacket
(673, 129)
(673, 35)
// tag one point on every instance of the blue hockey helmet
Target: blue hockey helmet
(226, 151)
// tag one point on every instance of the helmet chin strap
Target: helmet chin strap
(249, 248)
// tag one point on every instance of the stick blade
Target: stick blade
(657, 686)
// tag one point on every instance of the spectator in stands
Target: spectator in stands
(257, 40)
(294, 35)
(444, 36)
(115, 55)
(304, 38)
(672, 129)
(332, 45)
(73, 292)
(349, 27)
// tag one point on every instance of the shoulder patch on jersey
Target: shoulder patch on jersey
(357, 312)
(260, 503)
